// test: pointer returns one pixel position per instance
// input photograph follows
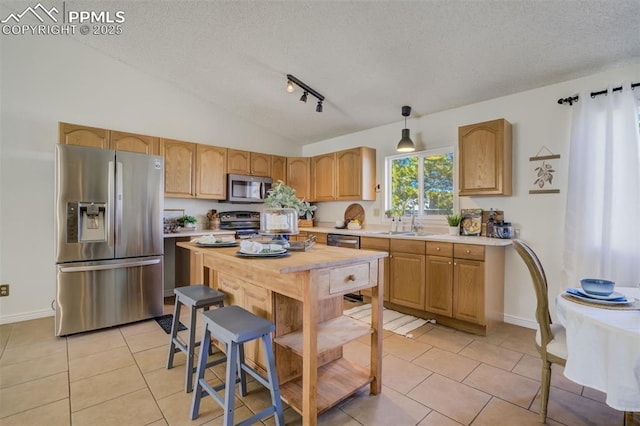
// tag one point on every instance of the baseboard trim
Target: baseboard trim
(522, 322)
(9, 319)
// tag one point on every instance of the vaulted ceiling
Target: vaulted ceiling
(368, 58)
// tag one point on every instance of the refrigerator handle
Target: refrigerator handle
(109, 266)
(119, 200)
(110, 202)
(263, 187)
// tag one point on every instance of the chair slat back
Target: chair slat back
(540, 285)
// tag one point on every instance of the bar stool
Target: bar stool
(195, 297)
(233, 326)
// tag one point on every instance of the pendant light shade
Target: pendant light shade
(406, 144)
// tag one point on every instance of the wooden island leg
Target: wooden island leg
(376, 336)
(309, 354)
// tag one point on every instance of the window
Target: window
(421, 183)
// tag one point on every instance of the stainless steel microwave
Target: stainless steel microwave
(247, 188)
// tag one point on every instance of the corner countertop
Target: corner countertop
(377, 233)
(197, 233)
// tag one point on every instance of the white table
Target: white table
(603, 347)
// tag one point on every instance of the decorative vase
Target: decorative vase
(454, 230)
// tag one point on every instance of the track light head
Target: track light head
(307, 90)
(319, 106)
(303, 98)
(290, 86)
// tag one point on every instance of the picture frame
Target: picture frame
(543, 178)
(471, 223)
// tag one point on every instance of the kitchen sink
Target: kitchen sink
(404, 233)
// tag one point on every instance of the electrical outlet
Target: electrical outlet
(4, 290)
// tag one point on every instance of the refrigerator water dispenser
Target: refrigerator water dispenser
(86, 222)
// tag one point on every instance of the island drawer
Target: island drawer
(348, 278)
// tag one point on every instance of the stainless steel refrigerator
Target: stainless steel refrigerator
(109, 245)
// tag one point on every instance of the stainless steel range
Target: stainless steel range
(245, 223)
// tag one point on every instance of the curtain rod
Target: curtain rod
(571, 99)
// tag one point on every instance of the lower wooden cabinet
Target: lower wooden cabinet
(439, 294)
(468, 291)
(407, 273)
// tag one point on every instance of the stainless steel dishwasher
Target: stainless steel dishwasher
(348, 241)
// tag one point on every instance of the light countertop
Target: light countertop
(197, 233)
(377, 233)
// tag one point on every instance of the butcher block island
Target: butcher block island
(302, 294)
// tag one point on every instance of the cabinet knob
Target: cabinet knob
(437, 248)
(351, 277)
(455, 263)
(449, 263)
(467, 251)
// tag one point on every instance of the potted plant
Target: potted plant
(187, 221)
(284, 196)
(454, 223)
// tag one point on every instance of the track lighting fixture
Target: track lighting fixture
(291, 80)
(406, 144)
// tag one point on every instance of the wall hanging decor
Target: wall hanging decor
(543, 172)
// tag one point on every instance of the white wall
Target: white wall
(538, 120)
(48, 79)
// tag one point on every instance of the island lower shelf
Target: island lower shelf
(336, 381)
(332, 334)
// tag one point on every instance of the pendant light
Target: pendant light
(406, 144)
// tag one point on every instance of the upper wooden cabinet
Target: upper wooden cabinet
(74, 134)
(131, 142)
(356, 174)
(278, 168)
(298, 176)
(344, 175)
(485, 163)
(211, 172)
(323, 170)
(179, 168)
(246, 162)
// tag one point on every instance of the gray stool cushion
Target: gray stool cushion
(198, 295)
(234, 324)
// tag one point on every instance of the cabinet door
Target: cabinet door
(257, 301)
(378, 244)
(407, 279)
(238, 161)
(298, 175)
(73, 134)
(439, 290)
(232, 289)
(278, 168)
(468, 291)
(211, 172)
(131, 142)
(260, 164)
(323, 184)
(356, 174)
(485, 163)
(179, 164)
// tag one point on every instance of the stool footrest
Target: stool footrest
(258, 416)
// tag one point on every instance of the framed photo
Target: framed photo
(471, 223)
(543, 174)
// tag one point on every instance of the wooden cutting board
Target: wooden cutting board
(354, 211)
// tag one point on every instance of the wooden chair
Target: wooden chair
(550, 338)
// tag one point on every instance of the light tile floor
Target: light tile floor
(439, 376)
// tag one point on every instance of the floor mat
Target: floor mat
(393, 321)
(165, 322)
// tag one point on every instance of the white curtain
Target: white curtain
(602, 223)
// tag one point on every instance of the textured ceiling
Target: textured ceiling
(367, 58)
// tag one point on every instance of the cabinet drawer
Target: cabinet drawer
(408, 246)
(348, 278)
(435, 248)
(468, 251)
(369, 243)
